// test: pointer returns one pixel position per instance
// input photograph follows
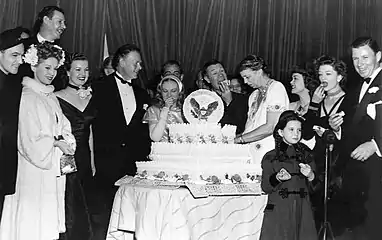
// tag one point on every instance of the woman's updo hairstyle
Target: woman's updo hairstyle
(254, 63)
(74, 57)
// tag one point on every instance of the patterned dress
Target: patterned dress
(275, 99)
(153, 114)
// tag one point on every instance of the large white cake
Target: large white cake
(200, 152)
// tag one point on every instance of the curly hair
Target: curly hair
(254, 63)
(159, 101)
(310, 82)
(47, 50)
(68, 64)
(338, 66)
(74, 57)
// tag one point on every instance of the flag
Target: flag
(105, 48)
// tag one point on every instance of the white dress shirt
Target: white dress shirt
(41, 39)
(126, 93)
(366, 85)
(364, 88)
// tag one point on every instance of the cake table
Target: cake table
(172, 213)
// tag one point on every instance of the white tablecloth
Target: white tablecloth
(175, 215)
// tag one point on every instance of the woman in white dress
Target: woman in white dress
(266, 104)
(36, 210)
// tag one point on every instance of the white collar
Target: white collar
(36, 86)
(375, 73)
(120, 75)
(41, 39)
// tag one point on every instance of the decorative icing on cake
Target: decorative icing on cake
(201, 152)
(201, 133)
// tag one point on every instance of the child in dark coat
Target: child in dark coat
(288, 172)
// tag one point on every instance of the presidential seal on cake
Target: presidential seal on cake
(201, 151)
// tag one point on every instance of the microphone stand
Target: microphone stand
(326, 229)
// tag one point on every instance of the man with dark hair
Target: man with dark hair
(120, 137)
(363, 174)
(49, 26)
(11, 50)
(236, 105)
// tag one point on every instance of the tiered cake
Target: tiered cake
(200, 152)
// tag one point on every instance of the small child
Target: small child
(288, 171)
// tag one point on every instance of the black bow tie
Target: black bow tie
(123, 81)
(367, 80)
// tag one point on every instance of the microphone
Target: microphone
(329, 137)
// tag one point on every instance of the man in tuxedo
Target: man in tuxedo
(362, 135)
(49, 26)
(11, 50)
(236, 105)
(120, 137)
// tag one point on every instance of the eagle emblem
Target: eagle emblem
(202, 113)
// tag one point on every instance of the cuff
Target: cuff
(338, 134)
(314, 106)
(378, 152)
(273, 180)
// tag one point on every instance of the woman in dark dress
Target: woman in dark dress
(329, 99)
(76, 104)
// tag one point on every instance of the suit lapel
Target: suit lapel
(116, 96)
(361, 107)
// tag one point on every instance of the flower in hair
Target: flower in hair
(31, 55)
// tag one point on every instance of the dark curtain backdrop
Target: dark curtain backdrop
(284, 32)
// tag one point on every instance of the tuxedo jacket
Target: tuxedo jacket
(59, 82)
(10, 94)
(362, 128)
(117, 145)
(236, 112)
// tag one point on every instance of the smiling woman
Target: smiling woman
(77, 105)
(303, 85)
(36, 210)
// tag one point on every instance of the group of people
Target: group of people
(51, 115)
(291, 139)
(64, 143)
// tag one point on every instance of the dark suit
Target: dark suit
(59, 82)
(118, 146)
(10, 94)
(236, 112)
(363, 180)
